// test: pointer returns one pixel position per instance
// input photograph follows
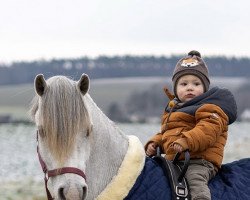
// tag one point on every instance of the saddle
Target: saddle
(175, 171)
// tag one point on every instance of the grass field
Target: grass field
(15, 100)
(28, 190)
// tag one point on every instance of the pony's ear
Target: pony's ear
(40, 84)
(83, 84)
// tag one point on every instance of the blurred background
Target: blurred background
(129, 50)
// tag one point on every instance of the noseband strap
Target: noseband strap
(66, 170)
(55, 172)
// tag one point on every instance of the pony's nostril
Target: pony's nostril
(73, 192)
(84, 193)
(61, 193)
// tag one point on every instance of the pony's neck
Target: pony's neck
(108, 149)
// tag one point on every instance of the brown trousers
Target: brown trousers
(198, 174)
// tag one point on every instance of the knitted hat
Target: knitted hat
(192, 64)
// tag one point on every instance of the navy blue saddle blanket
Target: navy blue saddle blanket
(232, 182)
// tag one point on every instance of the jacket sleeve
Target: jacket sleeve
(156, 138)
(211, 122)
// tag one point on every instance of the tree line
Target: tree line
(116, 66)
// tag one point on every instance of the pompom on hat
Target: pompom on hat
(191, 64)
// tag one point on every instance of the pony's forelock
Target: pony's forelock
(62, 114)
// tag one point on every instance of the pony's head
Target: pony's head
(64, 126)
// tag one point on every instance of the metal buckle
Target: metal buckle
(181, 191)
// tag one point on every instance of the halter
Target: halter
(55, 172)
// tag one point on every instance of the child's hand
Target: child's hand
(151, 149)
(177, 147)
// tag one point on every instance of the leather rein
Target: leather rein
(55, 172)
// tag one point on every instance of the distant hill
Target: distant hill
(116, 66)
(136, 99)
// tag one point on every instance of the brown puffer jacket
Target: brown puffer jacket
(199, 125)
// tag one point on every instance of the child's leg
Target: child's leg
(198, 174)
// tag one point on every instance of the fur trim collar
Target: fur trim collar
(128, 172)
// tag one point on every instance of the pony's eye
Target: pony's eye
(41, 132)
(89, 130)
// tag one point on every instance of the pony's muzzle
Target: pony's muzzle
(72, 191)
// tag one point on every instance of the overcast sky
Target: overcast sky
(37, 29)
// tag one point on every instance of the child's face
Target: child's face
(188, 87)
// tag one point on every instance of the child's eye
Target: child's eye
(183, 84)
(197, 84)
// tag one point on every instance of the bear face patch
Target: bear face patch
(189, 62)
